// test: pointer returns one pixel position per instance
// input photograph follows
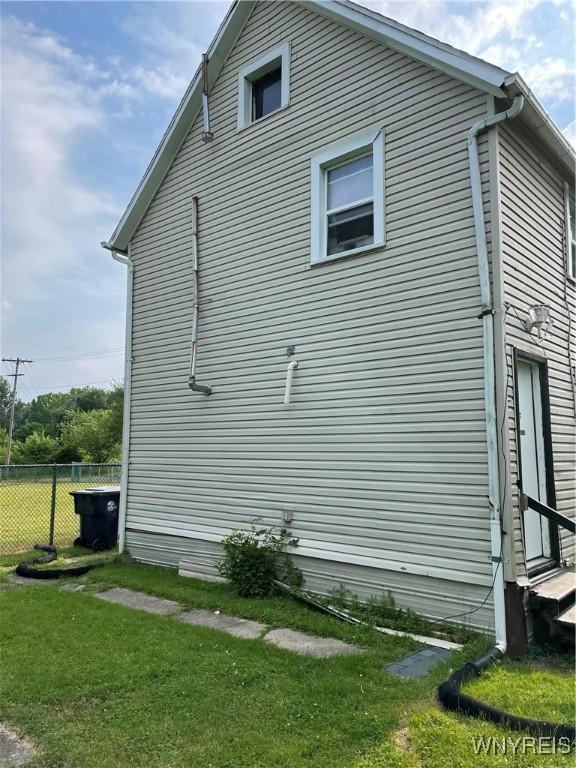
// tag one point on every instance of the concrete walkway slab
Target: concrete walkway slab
(418, 664)
(310, 645)
(249, 630)
(14, 750)
(25, 582)
(71, 586)
(139, 600)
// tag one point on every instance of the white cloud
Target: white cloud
(552, 78)
(503, 33)
(570, 133)
(48, 211)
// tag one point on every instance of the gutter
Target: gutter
(487, 316)
(125, 257)
(540, 121)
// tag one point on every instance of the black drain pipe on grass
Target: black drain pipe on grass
(28, 571)
(452, 698)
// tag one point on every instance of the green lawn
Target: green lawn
(96, 685)
(25, 514)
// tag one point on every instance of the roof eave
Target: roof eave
(540, 122)
(475, 72)
(176, 133)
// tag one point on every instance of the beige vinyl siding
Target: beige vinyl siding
(534, 264)
(380, 458)
(198, 559)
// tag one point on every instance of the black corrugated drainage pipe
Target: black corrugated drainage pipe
(28, 571)
(452, 698)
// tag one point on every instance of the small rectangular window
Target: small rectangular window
(570, 232)
(266, 94)
(264, 86)
(348, 198)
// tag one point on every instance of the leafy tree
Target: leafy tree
(88, 399)
(45, 429)
(46, 410)
(5, 398)
(28, 428)
(3, 445)
(116, 406)
(36, 449)
(67, 454)
(90, 432)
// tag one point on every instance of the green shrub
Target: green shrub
(253, 558)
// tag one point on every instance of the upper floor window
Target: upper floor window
(570, 233)
(348, 197)
(264, 86)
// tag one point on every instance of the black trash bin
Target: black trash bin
(98, 511)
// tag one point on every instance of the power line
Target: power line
(111, 352)
(17, 361)
(55, 387)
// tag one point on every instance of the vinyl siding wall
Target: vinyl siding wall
(534, 265)
(380, 458)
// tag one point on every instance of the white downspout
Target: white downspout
(126, 259)
(487, 316)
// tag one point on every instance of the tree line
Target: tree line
(83, 424)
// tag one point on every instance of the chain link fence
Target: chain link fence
(36, 506)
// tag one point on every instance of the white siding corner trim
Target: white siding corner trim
(344, 150)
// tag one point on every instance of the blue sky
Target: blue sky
(88, 89)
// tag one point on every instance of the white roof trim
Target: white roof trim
(179, 126)
(417, 45)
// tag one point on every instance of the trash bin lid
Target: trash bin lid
(100, 491)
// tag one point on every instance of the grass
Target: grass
(97, 685)
(430, 738)
(12, 559)
(25, 518)
(273, 611)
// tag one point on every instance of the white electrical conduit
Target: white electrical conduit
(205, 390)
(289, 376)
(487, 316)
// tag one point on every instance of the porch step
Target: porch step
(553, 604)
(568, 618)
(557, 588)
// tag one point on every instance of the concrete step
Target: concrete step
(568, 617)
(557, 588)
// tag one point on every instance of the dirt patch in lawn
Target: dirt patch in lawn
(14, 749)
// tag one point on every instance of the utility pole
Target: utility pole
(17, 361)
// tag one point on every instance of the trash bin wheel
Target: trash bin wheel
(100, 544)
(79, 542)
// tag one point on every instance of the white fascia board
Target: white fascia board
(458, 64)
(177, 131)
(540, 122)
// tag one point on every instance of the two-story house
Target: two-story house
(351, 278)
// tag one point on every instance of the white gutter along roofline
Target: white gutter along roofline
(540, 122)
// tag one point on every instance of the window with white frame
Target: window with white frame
(264, 86)
(570, 233)
(348, 197)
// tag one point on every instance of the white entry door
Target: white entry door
(533, 460)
